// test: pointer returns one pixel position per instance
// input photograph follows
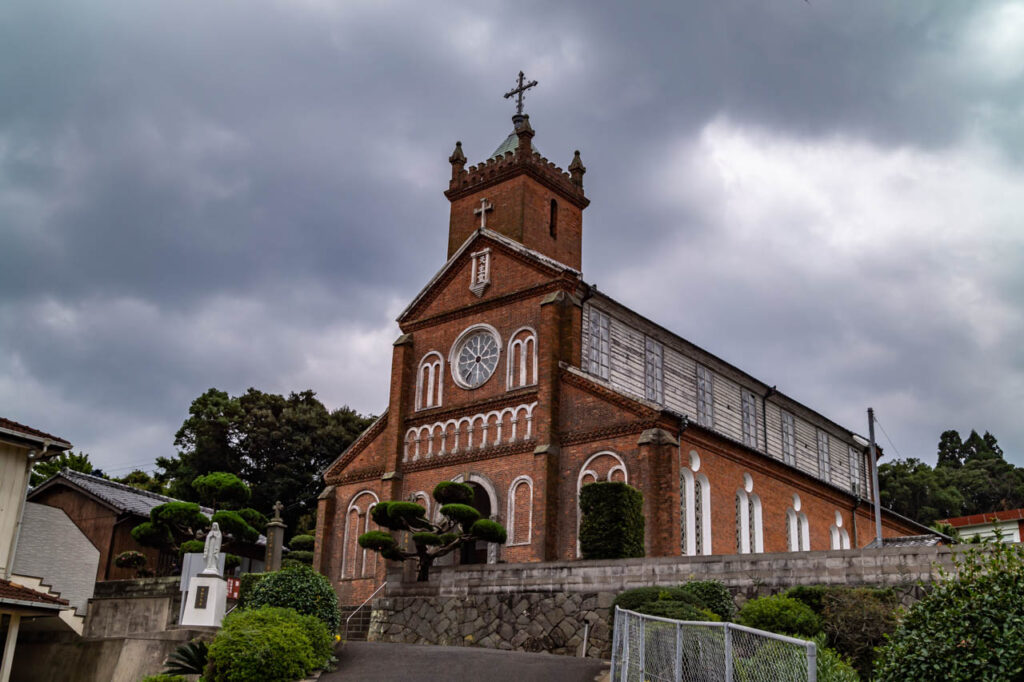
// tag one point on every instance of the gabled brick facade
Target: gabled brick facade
(542, 424)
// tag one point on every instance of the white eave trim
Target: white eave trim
(56, 442)
(501, 239)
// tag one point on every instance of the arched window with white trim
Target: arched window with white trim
(798, 535)
(695, 508)
(521, 360)
(840, 539)
(430, 381)
(354, 562)
(749, 519)
(520, 511)
(601, 466)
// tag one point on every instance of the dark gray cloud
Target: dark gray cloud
(196, 195)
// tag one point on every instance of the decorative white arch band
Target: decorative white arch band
(482, 430)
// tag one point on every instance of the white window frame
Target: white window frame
(824, 456)
(433, 362)
(599, 344)
(705, 396)
(855, 469)
(526, 368)
(528, 482)
(696, 519)
(749, 419)
(654, 370)
(788, 434)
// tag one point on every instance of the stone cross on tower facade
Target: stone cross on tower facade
(518, 92)
(485, 206)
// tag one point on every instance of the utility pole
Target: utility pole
(874, 478)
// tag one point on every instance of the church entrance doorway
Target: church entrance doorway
(476, 553)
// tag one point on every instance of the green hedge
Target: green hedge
(300, 588)
(163, 678)
(267, 644)
(703, 600)
(612, 524)
(781, 614)
(302, 543)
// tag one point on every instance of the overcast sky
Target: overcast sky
(828, 194)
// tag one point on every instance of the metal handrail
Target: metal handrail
(360, 607)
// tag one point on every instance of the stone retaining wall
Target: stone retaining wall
(549, 606)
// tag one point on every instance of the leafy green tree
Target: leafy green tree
(968, 627)
(461, 525)
(65, 460)
(221, 490)
(278, 446)
(950, 450)
(143, 481)
(912, 488)
(171, 524)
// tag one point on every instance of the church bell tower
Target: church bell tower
(520, 194)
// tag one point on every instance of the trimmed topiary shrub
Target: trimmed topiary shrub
(612, 523)
(299, 588)
(302, 556)
(714, 595)
(780, 614)
(232, 523)
(267, 644)
(450, 492)
(968, 627)
(489, 531)
(191, 547)
(376, 539)
(462, 514)
(302, 543)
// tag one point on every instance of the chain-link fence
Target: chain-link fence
(648, 648)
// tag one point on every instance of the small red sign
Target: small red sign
(233, 588)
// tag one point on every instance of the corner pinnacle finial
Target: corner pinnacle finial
(518, 92)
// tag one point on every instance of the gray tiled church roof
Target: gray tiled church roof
(124, 497)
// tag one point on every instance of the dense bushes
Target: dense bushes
(268, 644)
(163, 678)
(302, 543)
(612, 523)
(246, 582)
(702, 600)
(300, 588)
(780, 614)
(969, 627)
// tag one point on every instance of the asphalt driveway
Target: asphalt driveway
(384, 662)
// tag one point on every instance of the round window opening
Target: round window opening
(475, 358)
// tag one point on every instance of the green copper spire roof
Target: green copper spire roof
(509, 145)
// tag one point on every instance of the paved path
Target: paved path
(383, 662)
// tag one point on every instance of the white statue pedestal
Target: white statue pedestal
(206, 600)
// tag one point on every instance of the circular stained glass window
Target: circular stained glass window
(475, 358)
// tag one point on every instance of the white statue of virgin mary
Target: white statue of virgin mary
(211, 550)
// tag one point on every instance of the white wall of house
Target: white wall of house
(13, 485)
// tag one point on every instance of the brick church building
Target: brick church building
(514, 375)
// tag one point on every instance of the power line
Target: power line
(898, 453)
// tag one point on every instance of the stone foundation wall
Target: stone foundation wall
(549, 606)
(556, 623)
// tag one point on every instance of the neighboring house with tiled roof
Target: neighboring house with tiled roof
(20, 447)
(106, 512)
(1007, 525)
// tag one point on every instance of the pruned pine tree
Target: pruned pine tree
(460, 524)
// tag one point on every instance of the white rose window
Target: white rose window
(475, 358)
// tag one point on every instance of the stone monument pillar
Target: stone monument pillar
(275, 539)
(208, 591)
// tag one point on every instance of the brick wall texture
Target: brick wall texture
(536, 442)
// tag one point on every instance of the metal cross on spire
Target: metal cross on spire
(518, 93)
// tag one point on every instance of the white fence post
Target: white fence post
(679, 651)
(728, 653)
(812, 662)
